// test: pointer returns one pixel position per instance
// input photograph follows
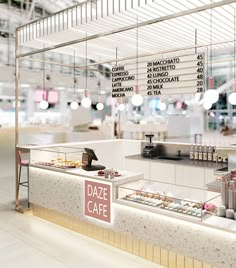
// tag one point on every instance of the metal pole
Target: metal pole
(195, 40)
(16, 121)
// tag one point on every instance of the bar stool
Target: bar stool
(23, 163)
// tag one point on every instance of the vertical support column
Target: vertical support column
(16, 119)
(8, 39)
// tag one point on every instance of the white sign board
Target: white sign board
(174, 75)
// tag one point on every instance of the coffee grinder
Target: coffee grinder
(149, 149)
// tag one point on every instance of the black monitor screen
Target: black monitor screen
(91, 153)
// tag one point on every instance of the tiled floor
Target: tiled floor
(27, 241)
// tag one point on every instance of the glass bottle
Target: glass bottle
(200, 153)
(196, 153)
(191, 153)
(205, 155)
(209, 153)
(214, 155)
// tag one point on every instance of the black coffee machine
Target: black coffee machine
(149, 149)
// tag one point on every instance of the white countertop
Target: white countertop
(125, 175)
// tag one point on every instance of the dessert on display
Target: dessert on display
(61, 163)
(108, 173)
(168, 202)
(148, 198)
(191, 208)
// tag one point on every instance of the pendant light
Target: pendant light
(207, 105)
(74, 104)
(211, 95)
(100, 105)
(120, 105)
(86, 101)
(43, 103)
(137, 99)
(232, 96)
(162, 106)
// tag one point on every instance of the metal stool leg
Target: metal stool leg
(28, 185)
(19, 174)
(19, 181)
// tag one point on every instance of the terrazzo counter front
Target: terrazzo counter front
(65, 193)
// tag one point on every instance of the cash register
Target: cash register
(87, 159)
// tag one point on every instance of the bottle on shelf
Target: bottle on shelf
(204, 155)
(195, 152)
(209, 153)
(200, 153)
(214, 155)
(191, 153)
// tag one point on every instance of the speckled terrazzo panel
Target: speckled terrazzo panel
(65, 193)
(200, 242)
(57, 191)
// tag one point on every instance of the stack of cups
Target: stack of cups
(225, 190)
(228, 197)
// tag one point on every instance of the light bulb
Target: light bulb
(162, 106)
(100, 106)
(207, 105)
(232, 98)
(121, 107)
(137, 100)
(74, 105)
(211, 95)
(86, 102)
(43, 104)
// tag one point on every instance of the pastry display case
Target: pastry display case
(59, 157)
(170, 198)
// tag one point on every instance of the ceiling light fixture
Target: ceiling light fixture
(74, 104)
(100, 105)
(232, 96)
(211, 95)
(137, 99)
(121, 107)
(86, 101)
(162, 106)
(43, 103)
(207, 105)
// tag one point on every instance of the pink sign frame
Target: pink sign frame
(98, 200)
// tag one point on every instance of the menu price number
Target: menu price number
(200, 59)
(155, 93)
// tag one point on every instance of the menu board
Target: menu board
(123, 82)
(173, 75)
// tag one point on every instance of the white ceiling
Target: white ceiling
(53, 6)
(175, 33)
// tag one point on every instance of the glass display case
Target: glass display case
(59, 157)
(170, 198)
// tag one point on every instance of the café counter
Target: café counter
(92, 205)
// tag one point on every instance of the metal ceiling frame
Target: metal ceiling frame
(122, 29)
(46, 23)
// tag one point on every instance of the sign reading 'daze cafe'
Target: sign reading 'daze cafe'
(174, 75)
(98, 200)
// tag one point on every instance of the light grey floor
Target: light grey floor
(27, 241)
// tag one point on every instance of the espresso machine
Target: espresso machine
(149, 149)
